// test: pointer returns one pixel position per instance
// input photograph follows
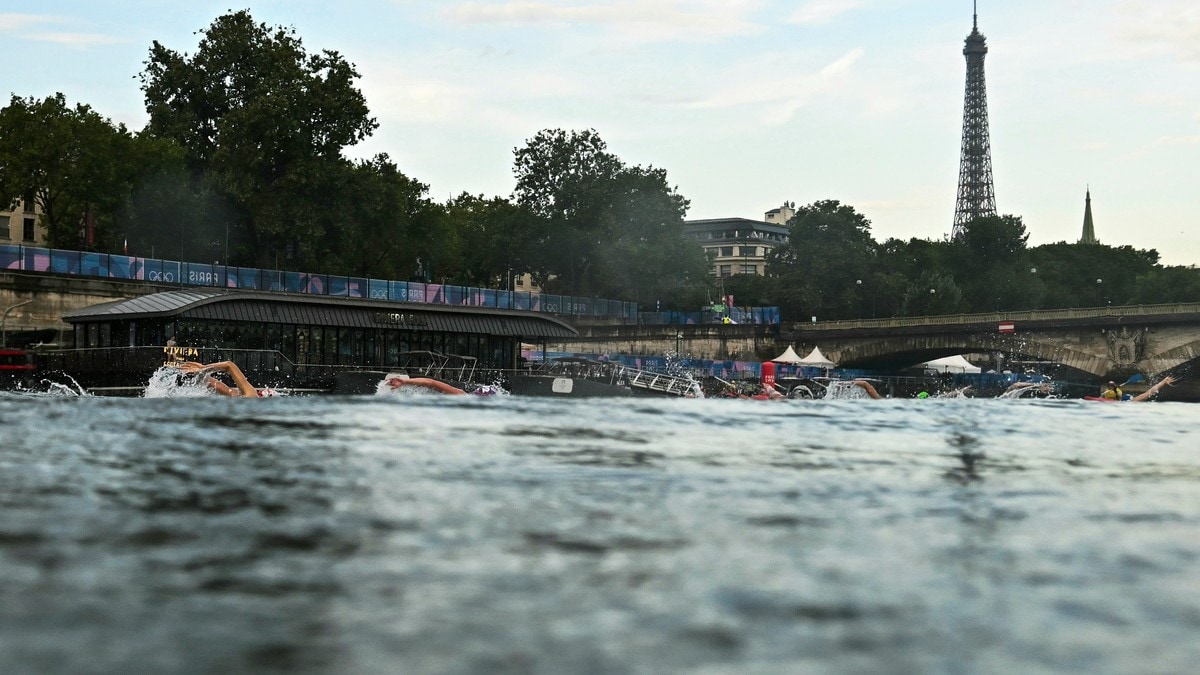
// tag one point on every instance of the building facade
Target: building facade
(741, 245)
(19, 224)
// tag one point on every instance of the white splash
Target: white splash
(842, 389)
(168, 382)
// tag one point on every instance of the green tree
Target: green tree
(992, 265)
(563, 179)
(932, 293)
(648, 256)
(78, 166)
(828, 251)
(1167, 284)
(1090, 275)
(900, 267)
(599, 227)
(266, 122)
(174, 214)
(378, 222)
(493, 234)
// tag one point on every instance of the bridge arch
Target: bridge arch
(893, 354)
(1094, 343)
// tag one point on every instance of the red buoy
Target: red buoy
(768, 373)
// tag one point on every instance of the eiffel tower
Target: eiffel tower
(976, 196)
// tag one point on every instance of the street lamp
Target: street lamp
(4, 319)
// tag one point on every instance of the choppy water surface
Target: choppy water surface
(506, 534)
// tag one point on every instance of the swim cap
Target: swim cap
(267, 393)
(923, 394)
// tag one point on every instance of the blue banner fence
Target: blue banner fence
(183, 274)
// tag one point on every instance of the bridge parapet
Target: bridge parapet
(1178, 311)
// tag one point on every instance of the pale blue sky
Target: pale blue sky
(745, 103)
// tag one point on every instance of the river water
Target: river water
(427, 534)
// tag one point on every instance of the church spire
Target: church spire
(1089, 230)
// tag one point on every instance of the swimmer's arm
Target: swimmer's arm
(866, 386)
(1145, 395)
(428, 383)
(243, 386)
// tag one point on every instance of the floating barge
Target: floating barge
(285, 341)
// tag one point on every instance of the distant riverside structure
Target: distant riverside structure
(1089, 230)
(741, 245)
(976, 195)
(19, 223)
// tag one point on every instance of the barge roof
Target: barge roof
(271, 307)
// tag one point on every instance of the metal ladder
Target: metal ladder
(666, 384)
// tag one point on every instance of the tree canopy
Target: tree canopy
(76, 164)
(601, 227)
(265, 122)
(828, 251)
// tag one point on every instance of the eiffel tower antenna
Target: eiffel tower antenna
(976, 194)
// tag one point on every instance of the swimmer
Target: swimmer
(396, 381)
(770, 393)
(242, 386)
(1149, 393)
(1019, 389)
(867, 387)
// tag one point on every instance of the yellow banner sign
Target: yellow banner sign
(172, 355)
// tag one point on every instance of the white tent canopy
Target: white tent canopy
(951, 364)
(789, 355)
(816, 359)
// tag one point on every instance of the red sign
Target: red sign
(1007, 328)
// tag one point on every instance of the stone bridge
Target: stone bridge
(1085, 345)
(1099, 343)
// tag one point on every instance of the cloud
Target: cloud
(75, 39)
(1165, 26)
(647, 20)
(1178, 140)
(21, 25)
(410, 93)
(781, 88)
(822, 11)
(11, 23)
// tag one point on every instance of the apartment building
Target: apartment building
(741, 245)
(18, 224)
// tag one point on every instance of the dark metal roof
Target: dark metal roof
(231, 305)
(746, 224)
